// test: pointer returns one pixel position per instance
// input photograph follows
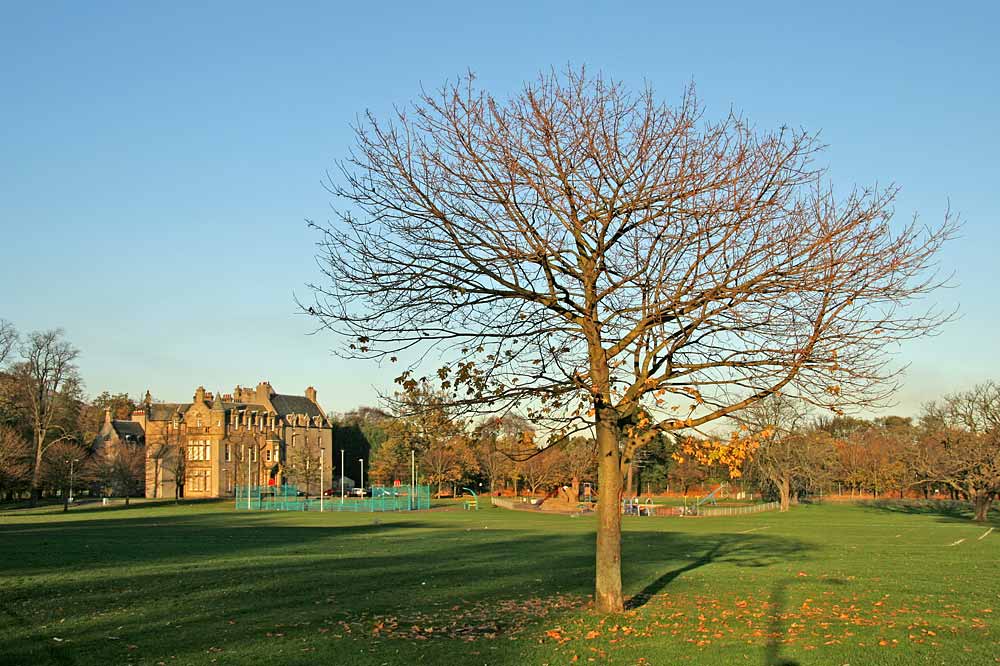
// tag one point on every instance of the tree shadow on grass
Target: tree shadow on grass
(778, 603)
(946, 510)
(737, 549)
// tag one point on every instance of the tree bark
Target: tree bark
(608, 584)
(36, 472)
(982, 505)
(785, 492)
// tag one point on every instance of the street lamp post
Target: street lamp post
(362, 461)
(342, 476)
(322, 490)
(69, 495)
(413, 476)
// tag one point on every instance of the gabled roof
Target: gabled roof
(295, 404)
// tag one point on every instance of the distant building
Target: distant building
(206, 447)
(116, 433)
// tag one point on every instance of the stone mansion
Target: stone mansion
(211, 444)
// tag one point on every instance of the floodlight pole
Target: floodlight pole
(413, 476)
(322, 490)
(362, 461)
(342, 476)
(248, 478)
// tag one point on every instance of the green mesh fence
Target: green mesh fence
(287, 498)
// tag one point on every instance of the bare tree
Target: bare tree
(65, 467)
(601, 258)
(784, 456)
(304, 464)
(969, 428)
(46, 369)
(8, 340)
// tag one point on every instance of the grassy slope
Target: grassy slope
(200, 584)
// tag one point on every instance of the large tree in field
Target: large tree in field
(614, 263)
(790, 456)
(48, 383)
(967, 424)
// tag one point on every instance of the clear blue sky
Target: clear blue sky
(157, 163)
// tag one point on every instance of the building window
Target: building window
(199, 480)
(229, 452)
(199, 420)
(199, 450)
(269, 455)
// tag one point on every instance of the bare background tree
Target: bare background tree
(8, 340)
(611, 262)
(46, 370)
(968, 425)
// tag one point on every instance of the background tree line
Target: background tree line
(950, 450)
(48, 426)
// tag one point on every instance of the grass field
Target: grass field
(161, 584)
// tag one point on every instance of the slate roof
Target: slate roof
(295, 404)
(164, 411)
(129, 429)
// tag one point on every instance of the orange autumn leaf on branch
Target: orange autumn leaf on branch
(731, 453)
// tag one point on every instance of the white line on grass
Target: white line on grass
(754, 529)
(957, 542)
(985, 534)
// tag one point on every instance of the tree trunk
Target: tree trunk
(574, 492)
(785, 492)
(982, 505)
(608, 584)
(629, 485)
(36, 472)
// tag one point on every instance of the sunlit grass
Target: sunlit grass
(200, 584)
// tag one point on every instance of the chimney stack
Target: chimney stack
(311, 393)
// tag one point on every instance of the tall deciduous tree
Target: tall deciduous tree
(600, 257)
(969, 427)
(790, 457)
(8, 340)
(47, 377)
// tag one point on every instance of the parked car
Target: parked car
(359, 492)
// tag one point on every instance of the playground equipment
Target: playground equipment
(710, 498)
(472, 504)
(287, 498)
(636, 507)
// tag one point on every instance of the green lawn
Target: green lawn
(202, 584)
